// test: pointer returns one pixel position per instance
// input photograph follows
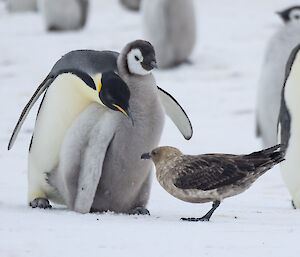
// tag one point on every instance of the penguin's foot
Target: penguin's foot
(139, 211)
(294, 206)
(53, 28)
(40, 203)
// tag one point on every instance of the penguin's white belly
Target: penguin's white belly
(66, 98)
(290, 168)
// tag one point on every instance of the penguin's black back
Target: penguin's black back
(88, 61)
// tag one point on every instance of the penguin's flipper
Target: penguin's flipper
(176, 113)
(40, 90)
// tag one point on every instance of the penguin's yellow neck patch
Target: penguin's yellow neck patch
(99, 86)
(97, 80)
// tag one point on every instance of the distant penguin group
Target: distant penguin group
(170, 25)
(273, 75)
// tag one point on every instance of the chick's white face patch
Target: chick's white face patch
(134, 61)
(295, 15)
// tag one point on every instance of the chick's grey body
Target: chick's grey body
(170, 25)
(210, 177)
(64, 14)
(125, 180)
(272, 80)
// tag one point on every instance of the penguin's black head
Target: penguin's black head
(140, 57)
(291, 14)
(115, 94)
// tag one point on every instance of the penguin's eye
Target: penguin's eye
(137, 58)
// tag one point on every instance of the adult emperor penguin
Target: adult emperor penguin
(289, 126)
(170, 25)
(272, 75)
(98, 143)
(69, 90)
(112, 176)
(64, 14)
(133, 5)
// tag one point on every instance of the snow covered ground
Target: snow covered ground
(217, 91)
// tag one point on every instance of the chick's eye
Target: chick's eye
(137, 58)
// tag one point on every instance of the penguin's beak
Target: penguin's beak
(153, 64)
(149, 64)
(127, 113)
(145, 156)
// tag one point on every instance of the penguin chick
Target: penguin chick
(68, 93)
(289, 128)
(291, 14)
(272, 77)
(64, 14)
(124, 185)
(209, 177)
(170, 25)
(133, 5)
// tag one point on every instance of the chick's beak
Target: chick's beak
(153, 64)
(145, 156)
(127, 113)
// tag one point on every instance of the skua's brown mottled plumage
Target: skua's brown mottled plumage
(210, 177)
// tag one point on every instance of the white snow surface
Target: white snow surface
(217, 91)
